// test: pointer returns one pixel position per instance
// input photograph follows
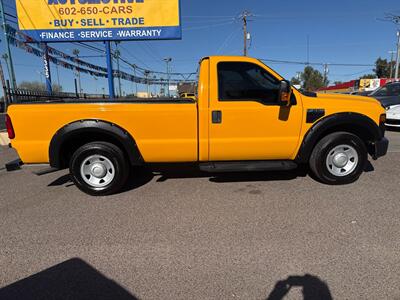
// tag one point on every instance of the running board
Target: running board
(248, 166)
(46, 171)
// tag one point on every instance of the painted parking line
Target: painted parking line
(4, 140)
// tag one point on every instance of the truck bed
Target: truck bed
(165, 130)
(163, 100)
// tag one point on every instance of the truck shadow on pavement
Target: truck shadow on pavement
(312, 287)
(141, 176)
(72, 279)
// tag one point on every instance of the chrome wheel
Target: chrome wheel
(342, 160)
(97, 171)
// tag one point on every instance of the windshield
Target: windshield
(388, 90)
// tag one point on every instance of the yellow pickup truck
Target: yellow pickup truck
(246, 117)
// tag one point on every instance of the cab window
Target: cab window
(246, 82)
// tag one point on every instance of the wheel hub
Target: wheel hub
(342, 160)
(97, 171)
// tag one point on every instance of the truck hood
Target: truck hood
(349, 98)
(345, 100)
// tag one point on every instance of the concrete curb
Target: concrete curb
(4, 140)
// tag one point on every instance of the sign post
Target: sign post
(110, 72)
(46, 66)
(9, 59)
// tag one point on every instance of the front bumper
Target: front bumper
(380, 148)
(392, 122)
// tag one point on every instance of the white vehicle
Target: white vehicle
(393, 116)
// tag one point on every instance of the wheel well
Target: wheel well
(363, 130)
(73, 143)
(74, 135)
(365, 135)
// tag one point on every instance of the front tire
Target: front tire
(99, 168)
(339, 158)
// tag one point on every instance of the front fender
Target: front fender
(355, 123)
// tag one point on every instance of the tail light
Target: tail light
(10, 128)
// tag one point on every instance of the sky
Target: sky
(341, 31)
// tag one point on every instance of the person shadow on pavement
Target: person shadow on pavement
(313, 288)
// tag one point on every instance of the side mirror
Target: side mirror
(285, 93)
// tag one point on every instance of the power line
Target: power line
(315, 63)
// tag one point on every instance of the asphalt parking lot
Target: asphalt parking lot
(185, 235)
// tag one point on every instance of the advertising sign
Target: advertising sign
(369, 84)
(99, 20)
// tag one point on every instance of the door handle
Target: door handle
(217, 117)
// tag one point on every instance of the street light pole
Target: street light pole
(168, 61)
(398, 55)
(391, 62)
(146, 75)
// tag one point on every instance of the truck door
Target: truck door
(247, 121)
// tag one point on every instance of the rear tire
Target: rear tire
(339, 158)
(99, 168)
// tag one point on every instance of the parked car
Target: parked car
(393, 116)
(188, 96)
(246, 118)
(388, 95)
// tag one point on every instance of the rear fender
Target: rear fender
(81, 132)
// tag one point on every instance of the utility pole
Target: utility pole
(76, 53)
(168, 60)
(308, 50)
(7, 42)
(395, 19)
(244, 17)
(398, 55)
(326, 71)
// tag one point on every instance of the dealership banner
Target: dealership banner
(99, 20)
